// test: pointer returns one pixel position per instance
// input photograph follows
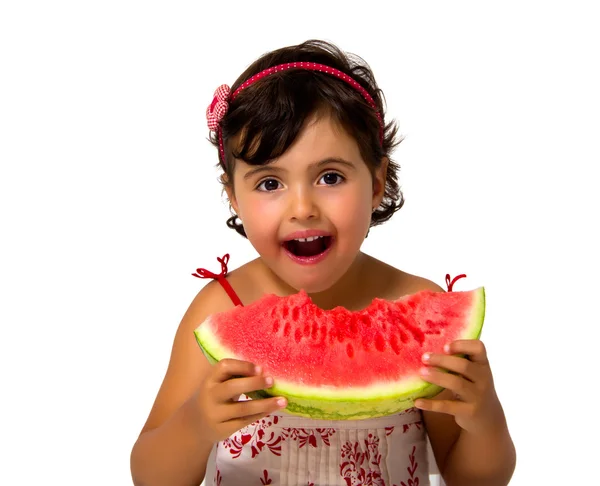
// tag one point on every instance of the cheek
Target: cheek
(351, 208)
(259, 217)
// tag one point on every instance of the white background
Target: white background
(109, 201)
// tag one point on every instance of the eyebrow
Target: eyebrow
(320, 163)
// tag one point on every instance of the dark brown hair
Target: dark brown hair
(267, 116)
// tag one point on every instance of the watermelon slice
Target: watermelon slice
(339, 364)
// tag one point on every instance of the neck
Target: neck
(344, 291)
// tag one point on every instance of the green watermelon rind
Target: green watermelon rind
(353, 403)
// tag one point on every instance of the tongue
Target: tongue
(307, 248)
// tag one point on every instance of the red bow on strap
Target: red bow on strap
(451, 283)
(204, 273)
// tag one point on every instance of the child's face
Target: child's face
(305, 190)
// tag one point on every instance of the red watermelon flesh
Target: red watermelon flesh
(341, 364)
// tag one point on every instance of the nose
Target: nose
(302, 204)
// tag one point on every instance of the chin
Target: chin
(313, 281)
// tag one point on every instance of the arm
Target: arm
(464, 458)
(468, 434)
(169, 449)
(196, 405)
(466, 424)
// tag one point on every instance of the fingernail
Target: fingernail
(419, 404)
(282, 402)
(426, 356)
(269, 381)
(258, 370)
(447, 348)
(424, 371)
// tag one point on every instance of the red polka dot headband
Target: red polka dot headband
(223, 96)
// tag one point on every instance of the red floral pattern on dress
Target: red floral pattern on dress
(360, 467)
(255, 435)
(359, 463)
(265, 479)
(304, 436)
(412, 480)
(406, 427)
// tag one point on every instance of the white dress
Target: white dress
(286, 450)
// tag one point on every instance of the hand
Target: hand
(475, 406)
(220, 414)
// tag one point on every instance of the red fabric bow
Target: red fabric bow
(218, 108)
(204, 273)
(450, 283)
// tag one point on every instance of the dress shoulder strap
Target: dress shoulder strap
(220, 277)
(450, 283)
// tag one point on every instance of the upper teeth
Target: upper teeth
(310, 238)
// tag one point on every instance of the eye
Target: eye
(268, 185)
(332, 178)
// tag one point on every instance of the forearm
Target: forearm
(481, 460)
(173, 454)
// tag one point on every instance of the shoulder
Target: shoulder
(251, 281)
(211, 299)
(396, 283)
(412, 284)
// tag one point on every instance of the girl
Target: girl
(305, 155)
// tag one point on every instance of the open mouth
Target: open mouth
(308, 247)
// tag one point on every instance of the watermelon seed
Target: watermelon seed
(323, 332)
(286, 329)
(298, 335)
(395, 344)
(417, 333)
(379, 342)
(275, 326)
(403, 336)
(350, 350)
(315, 330)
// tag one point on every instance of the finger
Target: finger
(229, 368)
(251, 408)
(449, 407)
(455, 383)
(455, 364)
(473, 348)
(234, 387)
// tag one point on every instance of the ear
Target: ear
(379, 178)
(231, 196)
